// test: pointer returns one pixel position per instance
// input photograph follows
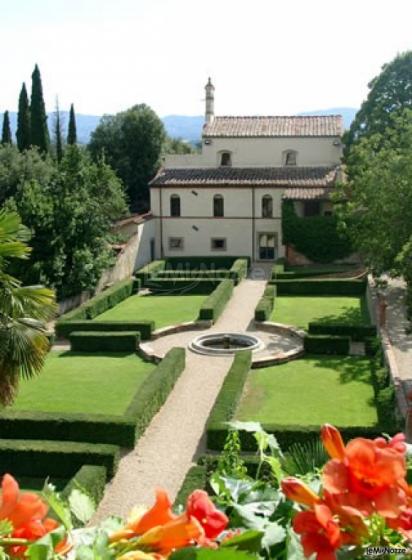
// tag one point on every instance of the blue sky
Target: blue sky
(264, 56)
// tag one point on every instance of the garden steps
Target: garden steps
(171, 442)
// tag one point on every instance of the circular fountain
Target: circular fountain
(225, 344)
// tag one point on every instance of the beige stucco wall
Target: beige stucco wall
(198, 226)
(262, 152)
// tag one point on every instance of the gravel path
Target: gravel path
(167, 450)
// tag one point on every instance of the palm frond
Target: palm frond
(302, 458)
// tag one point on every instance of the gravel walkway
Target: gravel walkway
(170, 444)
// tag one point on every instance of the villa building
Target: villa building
(227, 200)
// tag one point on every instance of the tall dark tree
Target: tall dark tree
(72, 132)
(38, 117)
(58, 133)
(23, 121)
(6, 137)
(132, 143)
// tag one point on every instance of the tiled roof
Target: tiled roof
(308, 193)
(229, 127)
(239, 176)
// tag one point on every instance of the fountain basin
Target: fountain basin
(225, 344)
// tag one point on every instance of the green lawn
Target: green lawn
(83, 383)
(301, 310)
(311, 391)
(163, 310)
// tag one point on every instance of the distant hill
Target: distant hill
(177, 126)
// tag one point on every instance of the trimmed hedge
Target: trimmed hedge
(239, 269)
(355, 332)
(145, 328)
(322, 287)
(213, 274)
(39, 458)
(327, 344)
(203, 263)
(216, 302)
(90, 479)
(103, 301)
(182, 285)
(92, 428)
(196, 478)
(264, 308)
(152, 394)
(228, 399)
(144, 273)
(83, 341)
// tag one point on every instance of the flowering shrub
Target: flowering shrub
(358, 499)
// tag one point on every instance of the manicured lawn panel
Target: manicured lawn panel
(302, 310)
(164, 310)
(311, 391)
(83, 383)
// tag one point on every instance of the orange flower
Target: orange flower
(178, 533)
(397, 443)
(296, 490)
(203, 509)
(27, 513)
(320, 533)
(333, 442)
(159, 514)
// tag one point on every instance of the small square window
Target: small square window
(218, 244)
(175, 243)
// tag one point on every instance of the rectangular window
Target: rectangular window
(176, 243)
(218, 244)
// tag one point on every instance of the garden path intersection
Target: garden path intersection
(166, 451)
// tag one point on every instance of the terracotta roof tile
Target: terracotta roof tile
(308, 193)
(238, 176)
(327, 125)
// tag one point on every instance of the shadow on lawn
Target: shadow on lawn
(349, 316)
(70, 354)
(350, 368)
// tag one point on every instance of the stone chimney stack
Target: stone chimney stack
(210, 102)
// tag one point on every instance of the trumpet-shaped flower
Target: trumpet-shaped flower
(178, 533)
(297, 491)
(320, 533)
(200, 506)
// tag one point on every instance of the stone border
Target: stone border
(401, 387)
(281, 357)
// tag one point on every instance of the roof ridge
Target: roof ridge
(276, 116)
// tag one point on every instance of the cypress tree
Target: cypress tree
(57, 133)
(38, 117)
(23, 121)
(6, 131)
(72, 132)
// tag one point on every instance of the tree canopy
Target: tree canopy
(69, 210)
(6, 137)
(39, 133)
(389, 93)
(23, 121)
(72, 131)
(132, 144)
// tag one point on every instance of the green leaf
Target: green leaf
(6, 527)
(227, 553)
(81, 505)
(249, 540)
(59, 507)
(237, 488)
(273, 534)
(254, 427)
(275, 466)
(293, 546)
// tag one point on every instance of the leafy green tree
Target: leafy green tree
(23, 121)
(177, 146)
(377, 207)
(17, 168)
(71, 217)
(72, 131)
(132, 142)
(38, 117)
(389, 93)
(58, 133)
(6, 137)
(24, 311)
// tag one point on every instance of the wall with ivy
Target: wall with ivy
(316, 237)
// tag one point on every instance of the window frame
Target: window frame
(222, 154)
(286, 154)
(308, 207)
(174, 238)
(220, 249)
(267, 213)
(173, 199)
(221, 199)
